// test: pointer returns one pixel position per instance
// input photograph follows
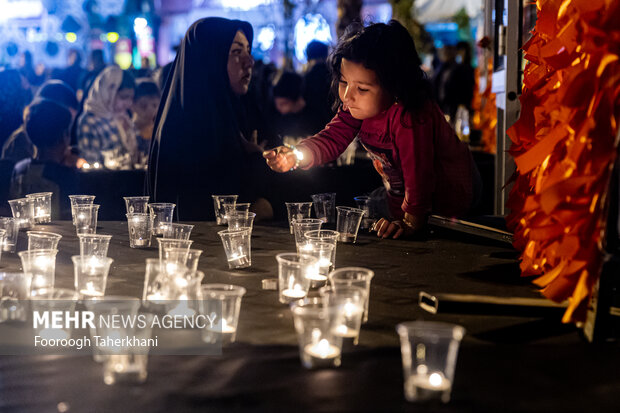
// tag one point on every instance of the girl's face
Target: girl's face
(123, 100)
(360, 92)
(240, 63)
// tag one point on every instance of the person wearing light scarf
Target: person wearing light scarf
(105, 131)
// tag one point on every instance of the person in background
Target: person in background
(294, 117)
(47, 123)
(145, 104)
(105, 132)
(387, 102)
(95, 66)
(317, 82)
(19, 145)
(199, 148)
(27, 70)
(15, 94)
(454, 81)
(72, 74)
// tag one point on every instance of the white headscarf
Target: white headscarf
(100, 102)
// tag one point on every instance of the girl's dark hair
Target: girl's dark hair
(389, 51)
(128, 82)
(146, 87)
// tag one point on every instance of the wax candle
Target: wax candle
(322, 350)
(296, 291)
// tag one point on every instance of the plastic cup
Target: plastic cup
(91, 275)
(364, 203)
(54, 299)
(323, 251)
(161, 213)
(80, 200)
(41, 266)
(241, 220)
(11, 226)
(86, 218)
(219, 205)
(353, 277)
(94, 245)
(182, 256)
(14, 291)
(164, 243)
(325, 235)
(236, 208)
(42, 207)
(293, 272)
(324, 206)
(429, 353)
(23, 211)
(297, 210)
(176, 231)
(140, 228)
(40, 240)
(137, 204)
(222, 303)
(314, 324)
(301, 226)
(348, 223)
(349, 301)
(238, 247)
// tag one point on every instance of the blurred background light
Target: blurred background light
(308, 28)
(266, 37)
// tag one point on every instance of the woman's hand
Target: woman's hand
(406, 228)
(280, 159)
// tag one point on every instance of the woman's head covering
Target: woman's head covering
(196, 136)
(100, 100)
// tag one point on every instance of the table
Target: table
(506, 363)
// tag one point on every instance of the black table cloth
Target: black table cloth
(506, 363)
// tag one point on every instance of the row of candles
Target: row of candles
(322, 323)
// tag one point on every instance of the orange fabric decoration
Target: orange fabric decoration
(564, 147)
(484, 116)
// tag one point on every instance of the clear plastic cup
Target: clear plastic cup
(293, 272)
(219, 204)
(241, 220)
(14, 291)
(236, 208)
(136, 204)
(94, 244)
(297, 210)
(54, 299)
(91, 275)
(41, 265)
(23, 211)
(325, 235)
(42, 207)
(348, 223)
(161, 213)
(140, 228)
(324, 206)
(11, 226)
(164, 243)
(323, 251)
(80, 200)
(238, 247)
(353, 277)
(301, 226)
(86, 218)
(429, 353)
(222, 304)
(364, 203)
(176, 231)
(40, 240)
(349, 301)
(183, 256)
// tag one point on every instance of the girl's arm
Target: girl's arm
(321, 148)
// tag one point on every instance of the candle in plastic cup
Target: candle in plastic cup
(183, 256)
(349, 302)
(323, 252)
(140, 228)
(325, 235)
(429, 354)
(86, 218)
(356, 277)
(94, 244)
(40, 240)
(136, 204)
(222, 303)
(41, 265)
(324, 206)
(42, 207)
(314, 324)
(11, 226)
(54, 299)
(297, 210)
(241, 220)
(293, 275)
(164, 243)
(91, 275)
(236, 208)
(364, 203)
(161, 213)
(23, 211)
(219, 205)
(348, 223)
(238, 247)
(14, 291)
(79, 200)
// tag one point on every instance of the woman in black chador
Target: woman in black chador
(198, 147)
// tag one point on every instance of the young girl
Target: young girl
(385, 100)
(105, 127)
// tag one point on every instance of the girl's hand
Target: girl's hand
(406, 228)
(280, 159)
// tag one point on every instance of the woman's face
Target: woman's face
(240, 63)
(123, 100)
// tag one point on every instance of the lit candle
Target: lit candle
(296, 291)
(238, 259)
(435, 382)
(91, 290)
(322, 350)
